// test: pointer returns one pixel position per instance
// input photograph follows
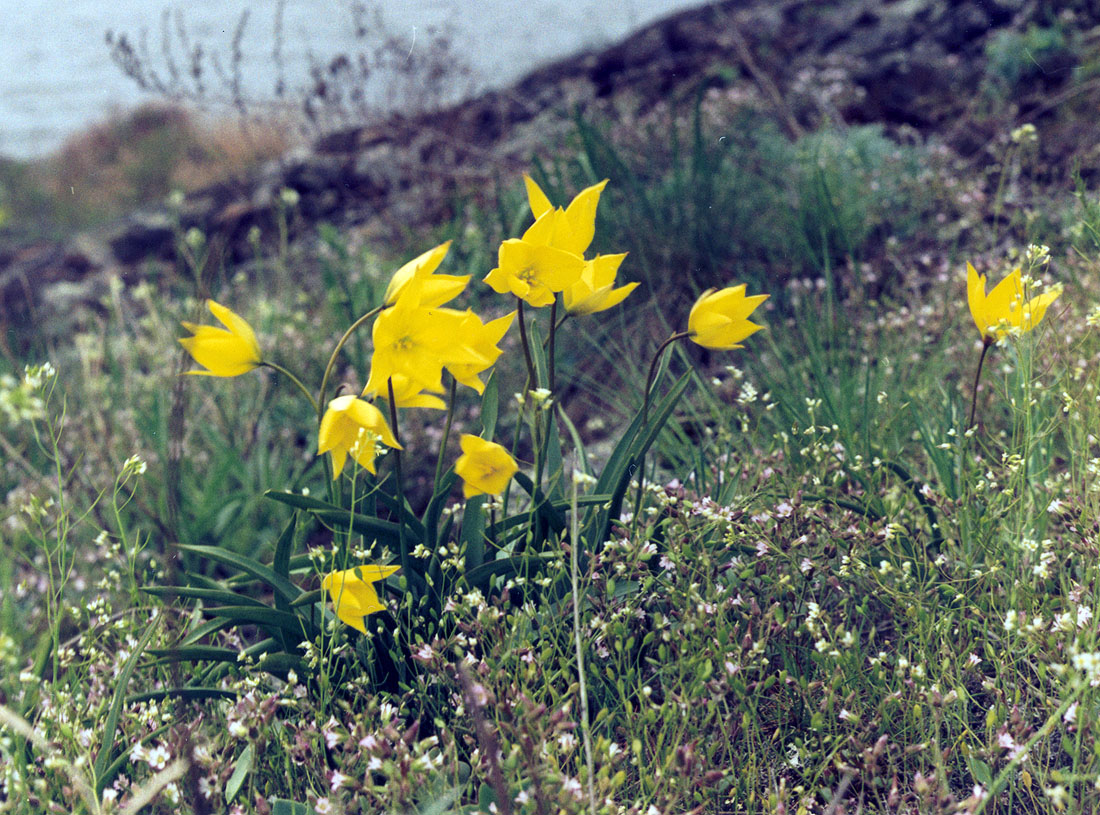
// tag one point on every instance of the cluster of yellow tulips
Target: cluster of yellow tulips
(416, 337)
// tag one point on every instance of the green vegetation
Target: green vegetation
(789, 577)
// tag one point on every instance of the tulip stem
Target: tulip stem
(531, 380)
(319, 405)
(987, 343)
(649, 383)
(446, 429)
(550, 353)
(280, 369)
(398, 491)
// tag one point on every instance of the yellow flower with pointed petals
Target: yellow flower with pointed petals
(435, 290)
(595, 291)
(1004, 310)
(353, 594)
(719, 318)
(229, 351)
(484, 467)
(532, 267)
(407, 394)
(416, 342)
(575, 232)
(483, 339)
(352, 426)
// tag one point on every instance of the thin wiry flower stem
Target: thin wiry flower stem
(680, 335)
(446, 429)
(398, 491)
(986, 344)
(553, 333)
(320, 404)
(531, 380)
(649, 383)
(297, 382)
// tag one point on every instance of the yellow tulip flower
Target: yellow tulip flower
(484, 467)
(352, 426)
(719, 318)
(435, 290)
(579, 224)
(482, 339)
(229, 351)
(1004, 311)
(353, 595)
(416, 342)
(595, 291)
(533, 267)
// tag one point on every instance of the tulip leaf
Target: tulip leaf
(240, 771)
(623, 461)
(511, 566)
(265, 616)
(490, 405)
(280, 663)
(473, 531)
(435, 507)
(219, 595)
(309, 597)
(196, 653)
(245, 564)
(281, 806)
(281, 564)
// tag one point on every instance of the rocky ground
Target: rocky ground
(913, 65)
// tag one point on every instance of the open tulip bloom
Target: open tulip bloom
(434, 290)
(229, 351)
(352, 426)
(1004, 310)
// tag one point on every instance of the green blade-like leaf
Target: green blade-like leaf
(490, 406)
(472, 533)
(281, 564)
(181, 693)
(266, 616)
(240, 772)
(223, 596)
(246, 564)
(196, 653)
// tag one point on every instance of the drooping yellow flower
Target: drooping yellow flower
(483, 339)
(417, 342)
(533, 268)
(352, 426)
(484, 467)
(595, 291)
(407, 394)
(435, 290)
(353, 595)
(1004, 310)
(229, 351)
(719, 318)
